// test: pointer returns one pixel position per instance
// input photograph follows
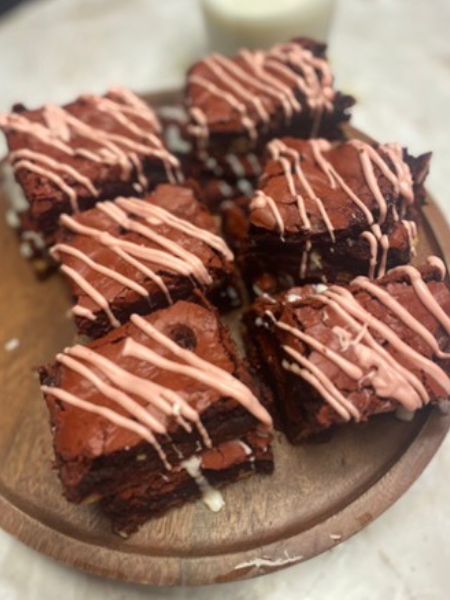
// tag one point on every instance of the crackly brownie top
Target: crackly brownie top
(83, 149)
(145, 380)
(244, 93)
(133, 247)
(384, 341)
(314, 189)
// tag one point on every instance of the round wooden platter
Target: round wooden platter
(319, 495)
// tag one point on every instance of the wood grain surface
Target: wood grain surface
(319, 495)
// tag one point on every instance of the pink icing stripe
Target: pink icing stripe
(350, 369)
(384, 244)
(318, 91)
(104, 412)
(134, 105)
(403, 182)
(139, 266)
(411, 232)
(315, 377)
(261, 200)
(55, 165)
(261, 81)
(424, 295)
(277, 148)
(197, 368)
(317, 146)
(280, 90)
(366, 157)
(227, 73)
(213, 89)
(16, 122)
(149, 254)
(385, 379)
(193, 264)
(123, 400)
(56, 179)
(111, 273)
(164, 399)
(92, 292)
(136, 206)
(201, 130)
(373, 246)
(349, 304)
(402, 313)
(116, 111)
(362, 334)
(82, 311)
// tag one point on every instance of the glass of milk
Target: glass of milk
(234, 24)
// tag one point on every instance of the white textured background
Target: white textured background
(394, 56)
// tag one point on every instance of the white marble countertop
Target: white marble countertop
(394, 56)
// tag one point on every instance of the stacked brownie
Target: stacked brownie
(65, 159)
(159, 408)
(236, 105)
(139, 414)
(327, 212)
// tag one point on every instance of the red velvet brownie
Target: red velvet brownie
(327, 212)
(199, 476)
(65, 159)
(345, 353)
(237, 104)
(146, 397)
(138, 255)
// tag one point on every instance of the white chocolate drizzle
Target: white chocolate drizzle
(211, 497)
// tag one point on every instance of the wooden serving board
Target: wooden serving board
(319, 495)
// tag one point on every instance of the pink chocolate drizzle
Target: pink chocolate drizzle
(121, 386)
(172, 256)
(262, 79)
(363, 356)
(60, 127)
(398, 175)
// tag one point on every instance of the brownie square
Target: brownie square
(138, 255)
(197, 477)
(345, 353)
(147, 396)
(65, 159)
(327, 212)
(237, 104)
